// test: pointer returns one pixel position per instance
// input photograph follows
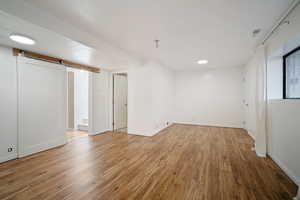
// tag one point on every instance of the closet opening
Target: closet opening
(77, 106)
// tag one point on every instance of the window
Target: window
(291, 75)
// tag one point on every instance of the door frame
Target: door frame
(113, 97)
(68, 99)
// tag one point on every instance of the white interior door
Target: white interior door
(99, 102)
(120, 101)
(42, 105)
(250, 113)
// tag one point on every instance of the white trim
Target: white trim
(250, 134)
(142, 133)
(149, 133)
(91, 104)
(260, 155)
(111, 100)
(100, 132)
(288, 172)
(42, 146)
(212, 125)
(75, 99)
(18, 107)
(8, 157)
(67, 104)
(161, 129)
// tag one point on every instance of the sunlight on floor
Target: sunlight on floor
(74, 134)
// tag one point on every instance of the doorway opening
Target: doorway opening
(120, 94)
(77, 106)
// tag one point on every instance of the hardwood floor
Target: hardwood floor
(75, 134)
(181, 162)
(121, 130)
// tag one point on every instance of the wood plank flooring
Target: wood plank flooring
(121, 130)
(75, 134)
(181, 162)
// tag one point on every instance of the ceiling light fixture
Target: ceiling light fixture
(201, 62)
(22, 39)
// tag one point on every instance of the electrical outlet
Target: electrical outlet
(9, 149)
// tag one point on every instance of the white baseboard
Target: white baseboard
(149, 133)
(288, 172)
(42, 146)
(160, 129)
(251, 134)
(8, 157)
(260, 155)
(98, 132)
(208, 124)
(140, 134)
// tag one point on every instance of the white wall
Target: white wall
(283, 115)
(283, 129)
(209, 97)
(82, 95)
(150, 98)
(8, 106)
(163, 84)
(275, 77)
(140, 113)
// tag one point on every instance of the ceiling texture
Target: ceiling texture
(119, 34)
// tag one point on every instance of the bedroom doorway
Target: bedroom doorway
(120, 94)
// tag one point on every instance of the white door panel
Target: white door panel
(42, 105)
(120, 101)
(99, 104)
(250, 112)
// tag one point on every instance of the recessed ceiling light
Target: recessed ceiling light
(201, 62)
(21, 39)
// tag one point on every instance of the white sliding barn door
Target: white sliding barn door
(42, 105)
(120, 101)
(8, 106)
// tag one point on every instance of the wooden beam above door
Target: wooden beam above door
(67, 63)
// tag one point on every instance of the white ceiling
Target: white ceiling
(219, 31)
(59, 46)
